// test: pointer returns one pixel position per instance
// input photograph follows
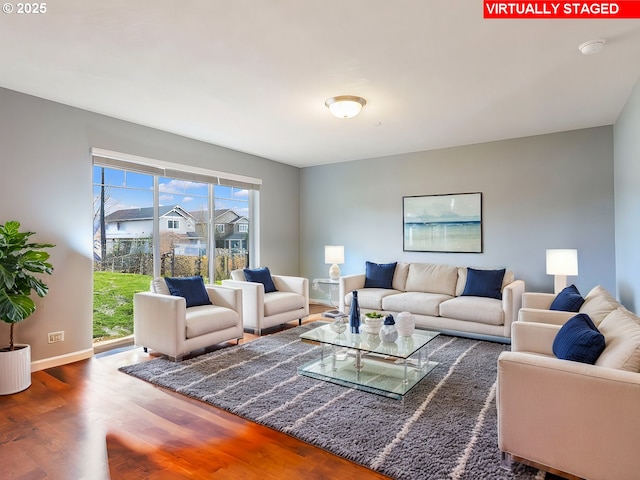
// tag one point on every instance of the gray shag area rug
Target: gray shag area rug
(446, 427)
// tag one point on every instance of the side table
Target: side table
(333, 285)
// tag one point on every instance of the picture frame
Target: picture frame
(450, 223)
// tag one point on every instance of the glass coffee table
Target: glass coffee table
(362, 361)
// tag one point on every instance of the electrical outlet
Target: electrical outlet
(55, 337)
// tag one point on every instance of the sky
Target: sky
(132, 190)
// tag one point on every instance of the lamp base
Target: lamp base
(334, 272)
(559, 282)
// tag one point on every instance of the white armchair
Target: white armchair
(569, 417)
(162, 322)
(263, 310)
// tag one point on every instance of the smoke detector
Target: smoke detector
(592, 46)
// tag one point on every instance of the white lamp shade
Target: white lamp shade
(563, 261)
(334, 254)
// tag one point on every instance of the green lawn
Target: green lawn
(113, 303)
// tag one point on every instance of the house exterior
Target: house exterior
(231, 230)
(130, 230)
(183, 232)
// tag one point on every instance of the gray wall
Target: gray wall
(548, 191)
(627, 197)
(46, 185)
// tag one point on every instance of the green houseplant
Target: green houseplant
(20, 262)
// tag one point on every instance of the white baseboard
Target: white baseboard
(101, 347)
(61, 360)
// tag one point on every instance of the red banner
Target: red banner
(586, 10)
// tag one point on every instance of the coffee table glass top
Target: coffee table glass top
(363, 362)
(403, 347)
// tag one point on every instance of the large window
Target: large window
(148, 223)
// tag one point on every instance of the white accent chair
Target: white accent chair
(564, 416)
(163, 323)
(264, 310)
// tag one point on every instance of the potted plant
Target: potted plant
(373, 321)
(20, 262)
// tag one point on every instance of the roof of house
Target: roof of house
(144, 213)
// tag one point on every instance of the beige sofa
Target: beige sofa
(433, 294)
(567, 416)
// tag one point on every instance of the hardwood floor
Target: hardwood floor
(88, 421)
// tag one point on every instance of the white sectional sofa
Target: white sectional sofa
(433, 293)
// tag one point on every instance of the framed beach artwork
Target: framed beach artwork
(442, 223)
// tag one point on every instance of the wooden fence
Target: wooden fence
(172, 265)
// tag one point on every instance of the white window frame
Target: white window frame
(160, 168)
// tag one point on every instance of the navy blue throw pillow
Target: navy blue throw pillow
(260, 275)
(579, 340)
(568, 300)
(192, 289)
(379, 275)
(484, 283)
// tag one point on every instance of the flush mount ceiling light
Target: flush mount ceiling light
(592, 46)
(345, 106)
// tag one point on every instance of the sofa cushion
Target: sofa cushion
(280, 302)
(432, 278)
(379, 275)
(509, 277)
(418, 303)
(208, 319)
(598, 304)
(484, 283)
(474, 309)
(192, 289)
(568, 300)
(621, 330)
(260, 275)
(579, 340)
(370, 298)
(400, 277)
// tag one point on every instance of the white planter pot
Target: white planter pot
(15, 370)
(373, 324)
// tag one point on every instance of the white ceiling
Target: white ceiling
(253, 75)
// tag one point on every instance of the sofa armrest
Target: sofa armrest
(537, 300)
(159, 322)
(252, 300)
(299, 285)
(224, 296)
(511, 303)
(349, 283)
(577, 418)
(533, 337)
(534, 315)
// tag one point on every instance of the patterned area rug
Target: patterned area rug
(444, 429)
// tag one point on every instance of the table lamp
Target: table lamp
(334, 255)
(561, 262)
